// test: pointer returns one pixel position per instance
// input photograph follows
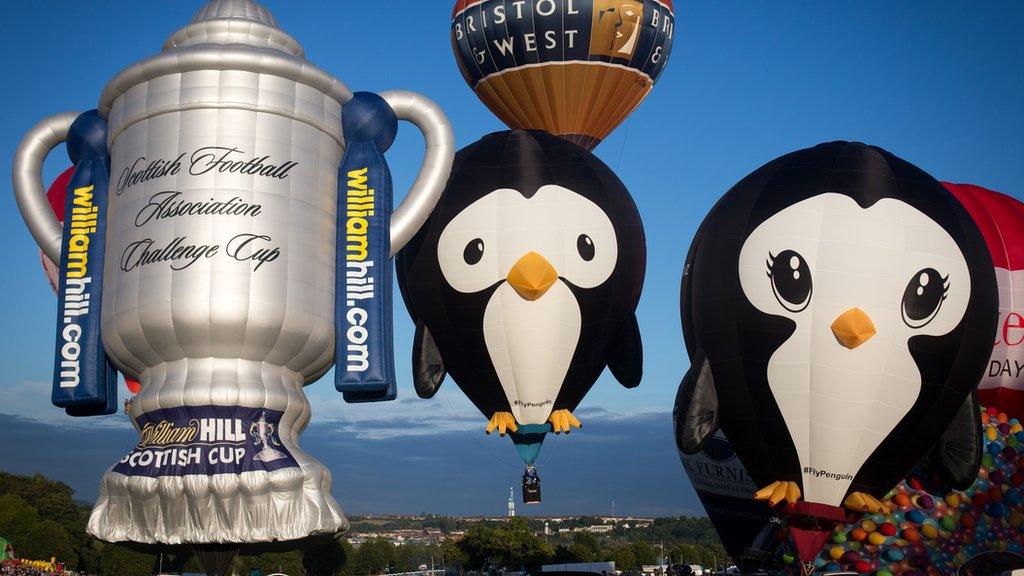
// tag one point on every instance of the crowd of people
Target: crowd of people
(12, 569)
(17, 568)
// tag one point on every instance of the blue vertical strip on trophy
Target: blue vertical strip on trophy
(84, 381)
(364, 356)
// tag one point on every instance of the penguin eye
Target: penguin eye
(923, 297)
(585, 246)
(474, 251)
(791, 280)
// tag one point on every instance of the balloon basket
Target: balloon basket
(810, 525)
(528, 440)
(531, 485)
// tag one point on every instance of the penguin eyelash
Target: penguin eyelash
(790, 278)
(923, 297)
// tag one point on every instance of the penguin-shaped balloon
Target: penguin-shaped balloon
(832, 306)
(524, 281)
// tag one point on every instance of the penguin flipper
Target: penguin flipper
(695, 415)
(626, 354)
(957, 455)
(427, 365)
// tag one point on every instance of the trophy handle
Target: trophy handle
(28, 181)
(437, 163)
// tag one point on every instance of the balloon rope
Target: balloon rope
(475, 436)
(622, 149)
(129, 443)
(549, 454)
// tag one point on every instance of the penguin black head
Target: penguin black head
(526, 276)
(838, 294)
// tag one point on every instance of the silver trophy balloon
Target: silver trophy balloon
(218, 280)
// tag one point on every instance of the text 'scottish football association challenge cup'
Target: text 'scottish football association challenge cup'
(227, 241)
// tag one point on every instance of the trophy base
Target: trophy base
(204, 473)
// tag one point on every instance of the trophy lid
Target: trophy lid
(228, 22)
(244, 9)
(223, 35)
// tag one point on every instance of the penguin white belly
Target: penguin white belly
(836, 415)
(531, 344)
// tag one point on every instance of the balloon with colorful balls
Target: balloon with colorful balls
(934, 531)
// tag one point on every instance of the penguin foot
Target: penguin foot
(502, 421)
(563, 420)
(778, 491)
(863, 502)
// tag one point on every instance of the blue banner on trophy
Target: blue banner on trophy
(206, 440)
(364, 356)
(84, 380)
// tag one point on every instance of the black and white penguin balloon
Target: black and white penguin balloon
(831, 305)
(524, 281)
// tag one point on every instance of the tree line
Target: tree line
(42, 520)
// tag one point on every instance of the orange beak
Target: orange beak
(853, 328)
(531, 276)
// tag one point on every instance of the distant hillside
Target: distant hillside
(665, 530)
(42, 520)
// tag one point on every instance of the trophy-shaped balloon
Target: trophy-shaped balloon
(202, 258)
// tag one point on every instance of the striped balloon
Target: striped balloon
(1001, 221)
(575, 68)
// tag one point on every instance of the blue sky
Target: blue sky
(938, 82)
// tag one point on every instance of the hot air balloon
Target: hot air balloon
(523, 284)
(1001, 221)
(229, 243)
(574, 68)
(934, 529)
(829, 303)
(748, 529)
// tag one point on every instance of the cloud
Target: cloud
(444, 468)
(449, 411)
(30, 400)
(76, 455)
(406, 416)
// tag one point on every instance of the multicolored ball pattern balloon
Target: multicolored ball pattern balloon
(934, 533)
